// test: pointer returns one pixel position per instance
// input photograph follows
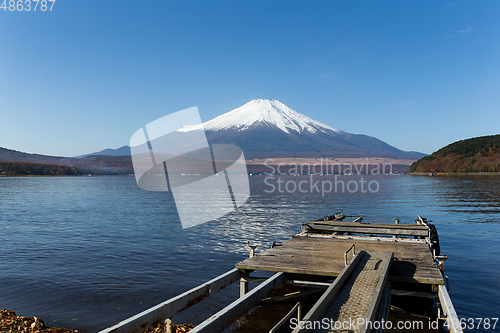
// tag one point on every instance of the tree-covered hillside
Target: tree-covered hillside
(480, 154)
(94, 164)
(35, 169)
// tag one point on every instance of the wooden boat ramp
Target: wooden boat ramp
(334, 276)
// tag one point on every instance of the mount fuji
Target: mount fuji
(267, 128)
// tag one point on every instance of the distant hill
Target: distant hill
(95, 164)
(263, 128)
(17, 156)
(35, 169)
(122, 151)
(480, 154)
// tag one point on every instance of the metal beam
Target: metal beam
(152, 316)
(449, 311)
(420, 294)
(225, 317)
(377, 294)
(383, 312)
(310, 284)
(370, 238)
(297, 307)
(254, 279)
(330, 293)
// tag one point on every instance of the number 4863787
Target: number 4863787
(27, 5)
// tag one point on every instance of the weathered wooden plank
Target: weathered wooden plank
(334, 263)
(370, 225)
(333, 245)
(371, 230)
(336, 253)
(308, 239)
(398, 272)
(324, 256)
(337, 246)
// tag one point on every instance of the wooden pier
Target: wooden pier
(356, 266)
(323, 255)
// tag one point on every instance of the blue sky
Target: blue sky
(84, 77)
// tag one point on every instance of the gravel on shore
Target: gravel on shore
(12, 323)
(174, 328)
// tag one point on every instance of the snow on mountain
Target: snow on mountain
(267, 128)
(267, 112)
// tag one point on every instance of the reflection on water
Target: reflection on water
(87, 252)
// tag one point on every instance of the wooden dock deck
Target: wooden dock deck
(317, 255)
(407, 255)
(416, 230)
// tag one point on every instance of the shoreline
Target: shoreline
(481, 173)
(11, 322)
(15, 175)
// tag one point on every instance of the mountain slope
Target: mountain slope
(122, 151)
(10, 155)
(90, 164)
(35, 169)
(266, 112)
(263, 128)
(480, 154)
(268, 128)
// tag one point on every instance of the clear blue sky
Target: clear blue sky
(86, 76)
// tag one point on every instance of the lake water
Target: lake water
(87, 252)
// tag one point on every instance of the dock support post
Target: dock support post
(243, 286)
(244, 282)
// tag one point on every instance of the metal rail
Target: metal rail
(353, 247)
(451, 315)
(383, 312)
(372, 238)
(377, 294)
(167, 309)
(297, 307)
(225, 317)
(330, 293)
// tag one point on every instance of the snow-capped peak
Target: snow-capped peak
(264, 112)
